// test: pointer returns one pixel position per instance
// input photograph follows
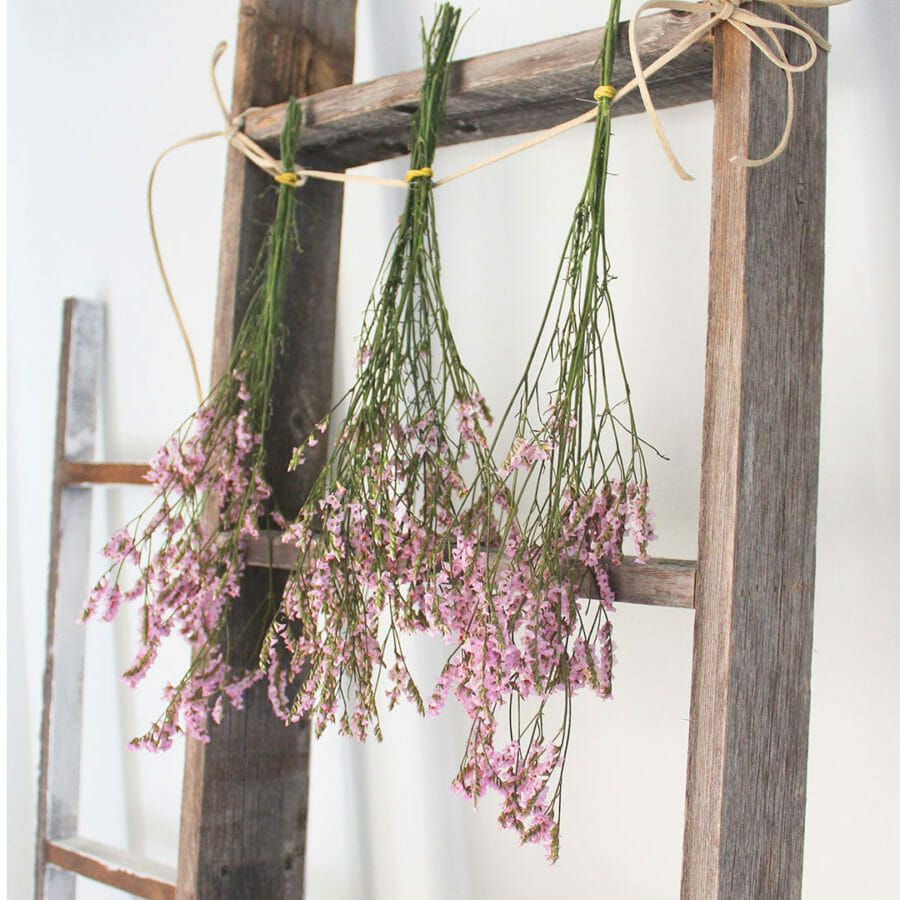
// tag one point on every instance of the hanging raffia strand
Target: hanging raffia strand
(761, 31)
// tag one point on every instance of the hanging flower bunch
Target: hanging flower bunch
(380, 520)
(183, 557)
(534, 627)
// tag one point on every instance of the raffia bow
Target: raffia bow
(762, 32)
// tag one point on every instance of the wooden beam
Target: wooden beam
(67, 587)
(243, 821)
(749, 721)
(510, 92)
(109, 865)
(74, 472)
(660, 582)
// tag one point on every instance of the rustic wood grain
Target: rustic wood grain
(510, 92)
(67, 587)
(75, 472)
(660, 582)
(753, 625)
(117, 868)
(244, 801)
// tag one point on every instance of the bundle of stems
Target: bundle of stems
(574, 486)
(184, 555)
(381, 520)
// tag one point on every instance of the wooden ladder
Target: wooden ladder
(61, 852)
(243, 815)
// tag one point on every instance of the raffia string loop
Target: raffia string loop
(605, 91)
(760, 31)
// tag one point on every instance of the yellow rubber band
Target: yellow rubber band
(289, 178)
(419, 173)
(606, 91)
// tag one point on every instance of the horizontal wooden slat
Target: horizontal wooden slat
(664, 582)
(661, 582)
(268, 547)
(110, 865)
(510, 92)
(102, 473)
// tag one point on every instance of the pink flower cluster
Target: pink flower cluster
(372, 552)
(521, 634)
(402, 545)
(186, 576)
(395, 550)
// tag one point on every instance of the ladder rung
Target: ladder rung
(508, 92)
(661, 582)
(102, 472)
(117, 868)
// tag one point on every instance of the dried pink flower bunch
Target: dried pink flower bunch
(185, 571)
(411, 528)
(531, 626)
(183, 557)
(381, 519)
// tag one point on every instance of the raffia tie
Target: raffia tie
(762, 32)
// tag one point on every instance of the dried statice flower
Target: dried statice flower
(184, 556)
(530, 633)
(381, 519)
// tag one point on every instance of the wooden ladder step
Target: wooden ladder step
(660, 582)
(510, 92)
(75, 472)
(113, 866)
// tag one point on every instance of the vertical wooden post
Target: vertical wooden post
(243, 817)
(83, 331)
(749, 723)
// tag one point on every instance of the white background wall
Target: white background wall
(97, 89)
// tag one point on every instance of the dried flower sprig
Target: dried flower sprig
(380, 521)
(183, 556)
(576, 485)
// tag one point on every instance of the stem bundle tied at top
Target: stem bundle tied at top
(183, 558)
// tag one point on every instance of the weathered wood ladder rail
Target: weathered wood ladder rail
(244, 803)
